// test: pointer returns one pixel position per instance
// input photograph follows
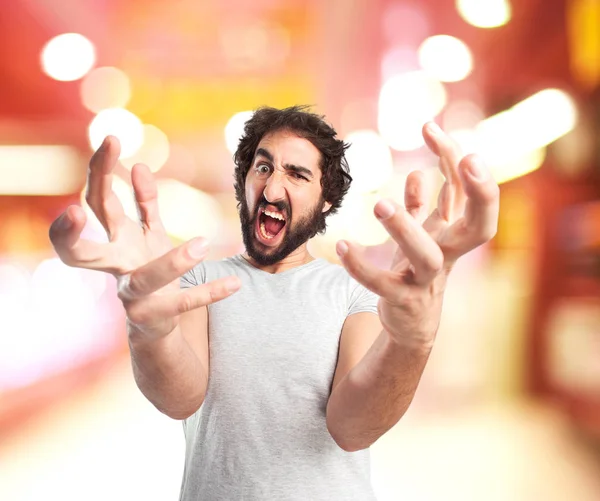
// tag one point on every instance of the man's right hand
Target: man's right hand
(139, 254)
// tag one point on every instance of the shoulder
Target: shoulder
(209, 270)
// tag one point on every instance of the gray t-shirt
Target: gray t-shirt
(261, 433)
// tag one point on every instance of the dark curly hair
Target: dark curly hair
(335, 173)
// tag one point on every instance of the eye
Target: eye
(299, 176)
(262, 169)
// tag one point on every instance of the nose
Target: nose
(274, 189)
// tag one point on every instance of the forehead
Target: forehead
(289, 148)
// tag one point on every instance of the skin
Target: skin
(268, 177)
(375, 384)
(381, 358)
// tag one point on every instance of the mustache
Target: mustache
(281, 206)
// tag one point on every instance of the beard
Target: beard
(295, 235)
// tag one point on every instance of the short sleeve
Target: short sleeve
(362, 299)
(196, 276)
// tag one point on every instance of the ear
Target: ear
(326, 207)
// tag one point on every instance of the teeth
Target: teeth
(263, 232)
(275, 215)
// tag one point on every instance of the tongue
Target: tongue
(273, 226)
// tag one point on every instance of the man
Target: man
(309, 363)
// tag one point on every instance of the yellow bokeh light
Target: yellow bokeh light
(518, 166)
(120, 123)
(68, 57)
(529, 125)
(485, 13)
(369, 159)
(104, 88)
(446, 58)
(235, 128)
(406, 102)
(154, 151)
(513, 142)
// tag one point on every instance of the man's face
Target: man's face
(282, 206)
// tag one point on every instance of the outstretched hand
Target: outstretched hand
(139, 254)
(466, 217)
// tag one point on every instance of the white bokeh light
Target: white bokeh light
(104, 88)
(485, 13)
(445, 57)
(68, 57)
(120, 123)
(154, 151)
(187, 212)
(369, 159)
(124, 192)
(235, 128)
(406, 102)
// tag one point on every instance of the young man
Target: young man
(309, 363)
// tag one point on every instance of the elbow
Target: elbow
(178, 415)
(181, 413)
(344, 442)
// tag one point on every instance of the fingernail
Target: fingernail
(232, 284)
(476, 170)
(385, 209)
(65, 222)
(198, 248)
(434, 128)
(341, 248)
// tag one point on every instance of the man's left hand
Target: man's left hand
(466, 217)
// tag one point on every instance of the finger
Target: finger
(65, 236)
(452, 198)
(162, 271)
(99, 194)
(157, 307)
(146, 197)
(480, 221)
(414, 195)
(382, 282)
(418, 246)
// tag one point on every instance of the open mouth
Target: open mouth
(270, 224)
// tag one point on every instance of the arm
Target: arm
(172, 372)
(375, 386)
(167, 327)
(374, 383)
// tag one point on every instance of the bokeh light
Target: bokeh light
(104, 88)
(529, 125)
(255, 46)
(68, 57)
(154, 151)
(398, 60)
(120, 123)
(369, 159)
(485, 13)
(124, 192)
(446, 57)
(40, 170)
(235, 128)
(187, 212)
(406, 102)
(462, 114)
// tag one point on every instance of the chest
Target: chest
(283, 335)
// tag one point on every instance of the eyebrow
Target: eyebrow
(294, 168)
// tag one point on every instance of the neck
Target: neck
(297, 258)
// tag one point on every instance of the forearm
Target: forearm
(169, 373)
(376, 393)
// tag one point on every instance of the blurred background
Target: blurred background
(509, 406)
